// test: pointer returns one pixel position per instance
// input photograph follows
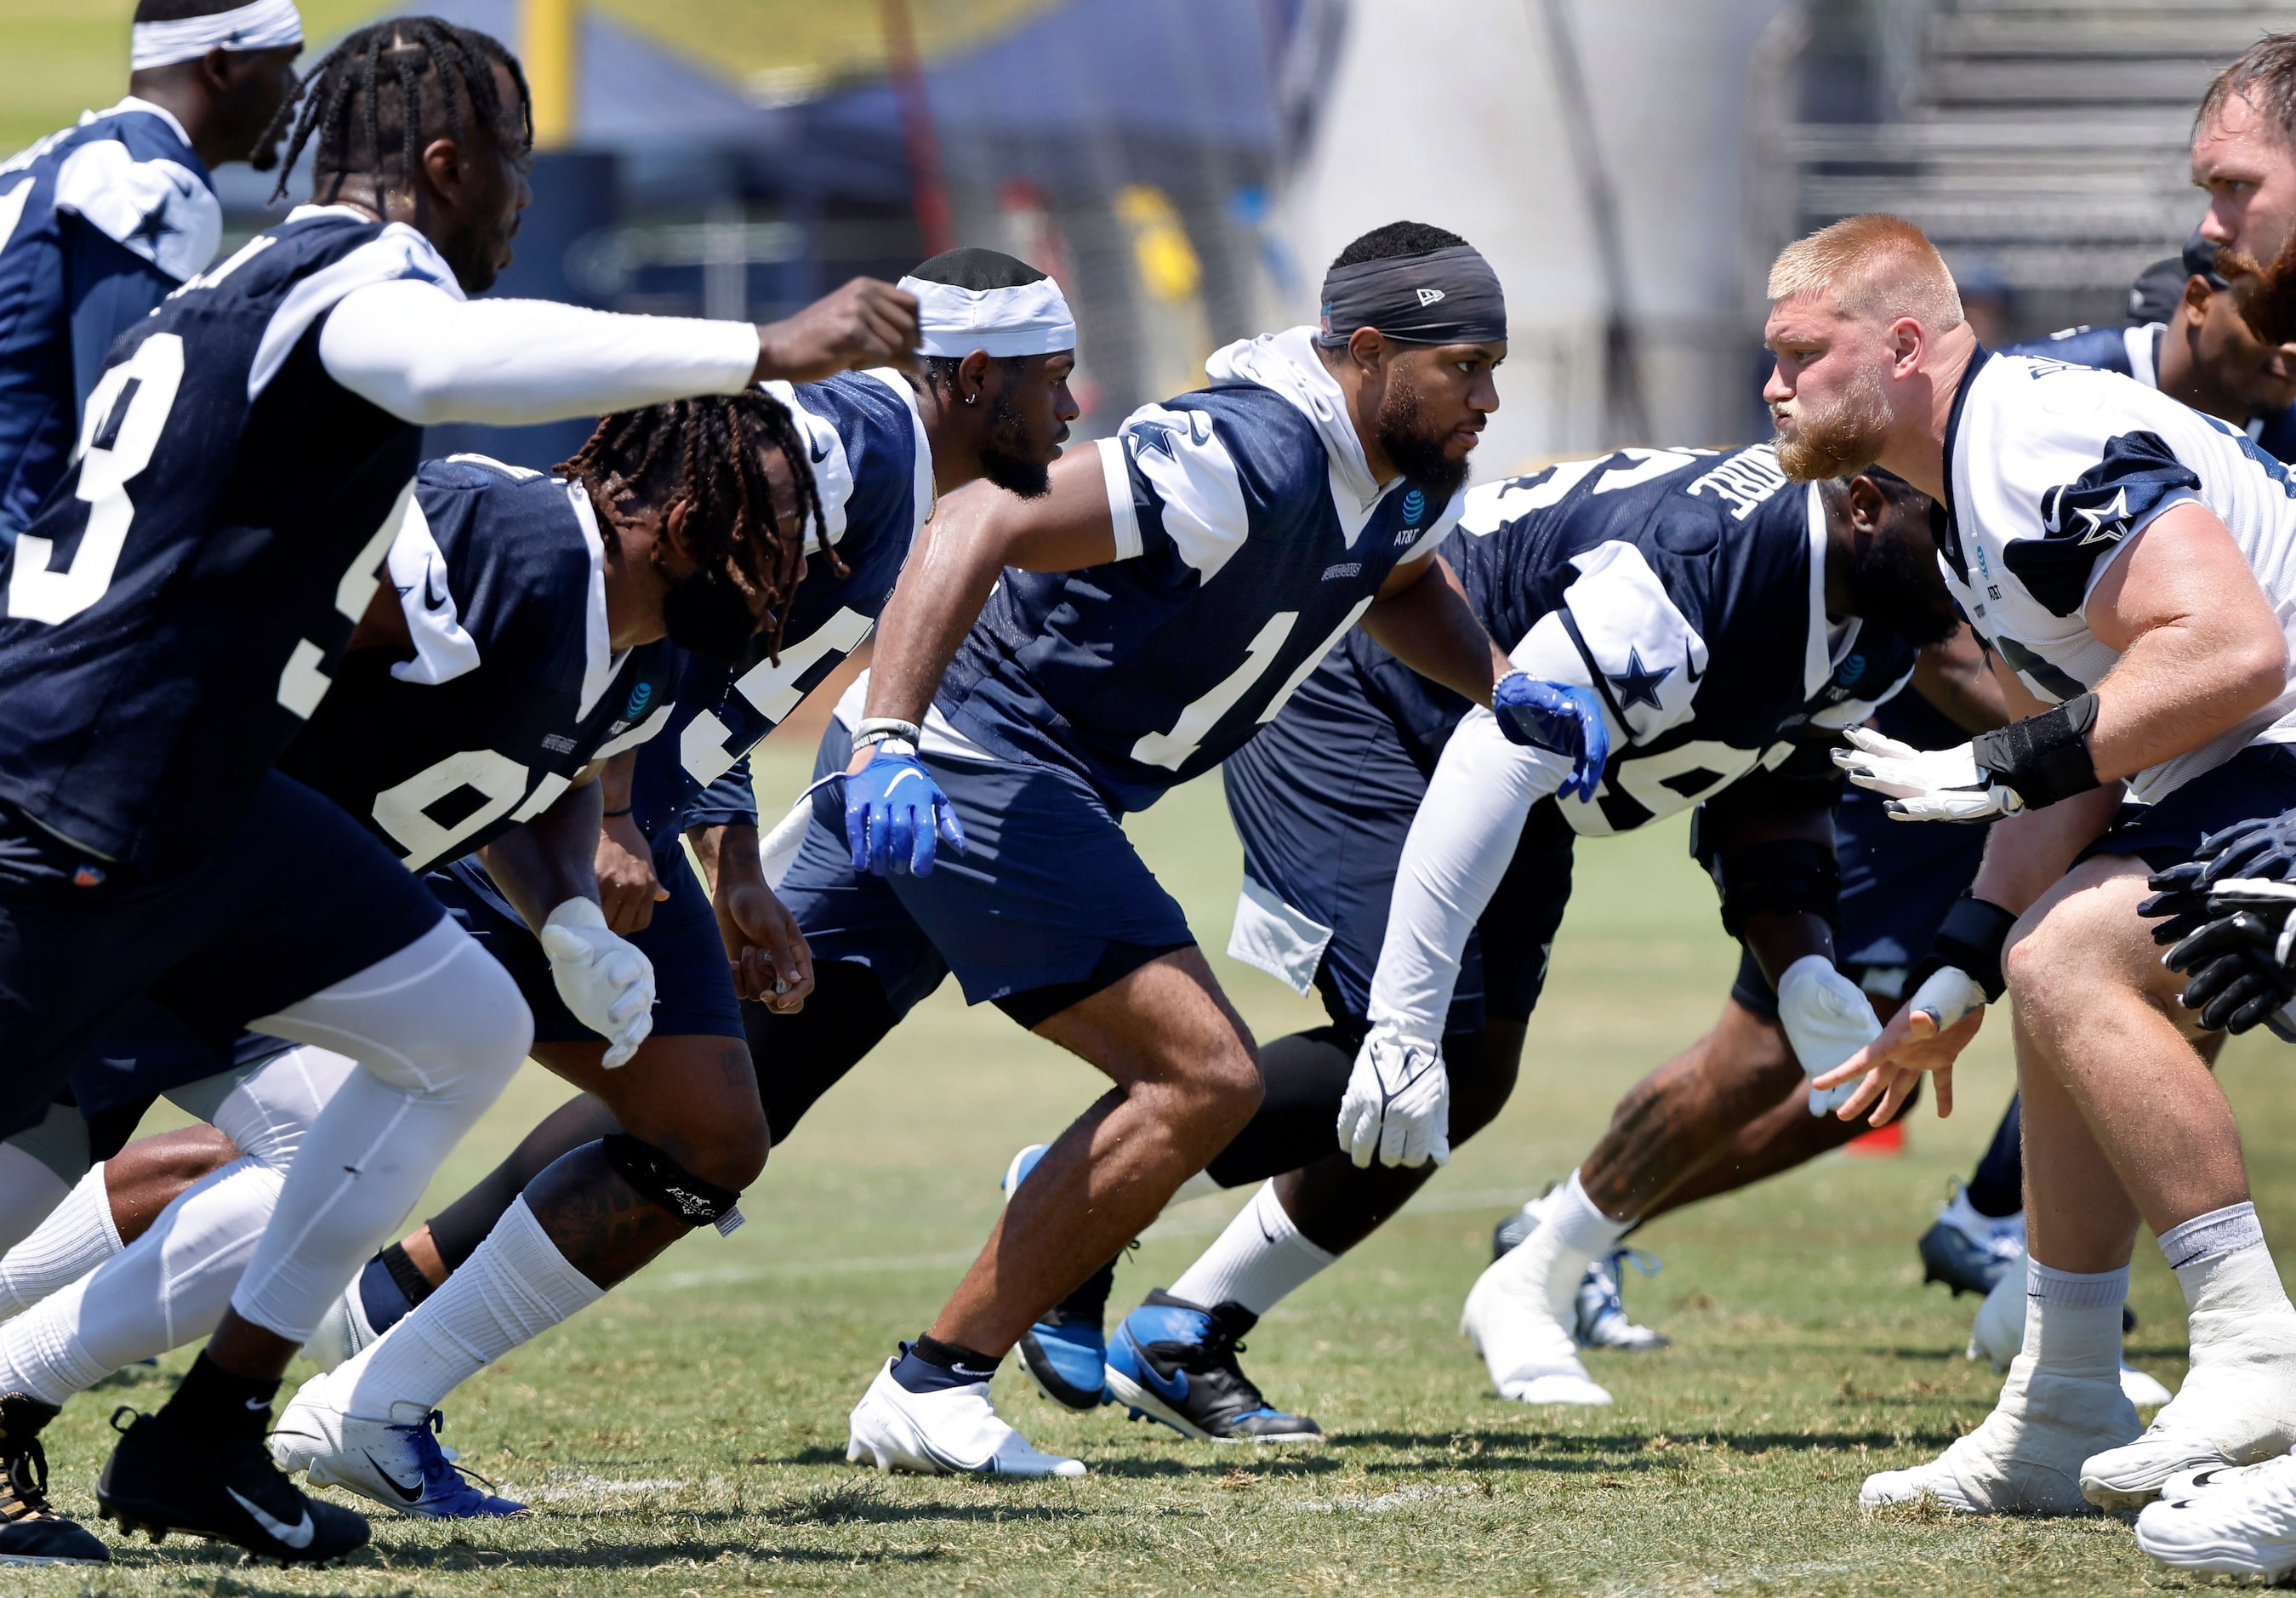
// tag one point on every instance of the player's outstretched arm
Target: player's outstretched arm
(896, 815)
(426, 356)
(1422, 617)
(2025, 854)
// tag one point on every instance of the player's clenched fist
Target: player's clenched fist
(864, 324)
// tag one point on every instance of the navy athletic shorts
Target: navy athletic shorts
(1320, 855)
(2260, 780)
(693, 985)
(148, 1052)
(297, 898)
(1048, 904)
(1899, 879)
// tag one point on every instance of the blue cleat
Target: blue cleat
(1968, 1251)
(1174, 1362)
(1064, 1353)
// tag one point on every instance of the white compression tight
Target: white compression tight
(172, 1284)
(439, 1029)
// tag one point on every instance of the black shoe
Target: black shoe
(1174, 1362)
(30, 1532)
(223, 1488)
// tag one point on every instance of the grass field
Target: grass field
(686, 1437)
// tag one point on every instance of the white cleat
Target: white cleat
(342, 1332)
(953, 1432)
(1522, 1325)
(2026, 1457)
(2240, 1521)
(394, 1460)
(2237, 1407)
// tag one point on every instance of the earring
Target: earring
(969, 398)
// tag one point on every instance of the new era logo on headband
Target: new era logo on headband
(1429, 296)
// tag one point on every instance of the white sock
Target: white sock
(2072, 1319)
(1259, 1261)
(77, 1236)
(1578, 1226)
(167, 1288)
(29, 1190)
(515, 1287)
(2222, 1263)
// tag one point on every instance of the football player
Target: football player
(102, 221)
(177, 611)
(518, 645)
(992, 402)
(2120, 552)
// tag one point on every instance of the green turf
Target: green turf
(686, 1437)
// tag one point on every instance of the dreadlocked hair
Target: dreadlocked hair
(709, 452)
(395, 80)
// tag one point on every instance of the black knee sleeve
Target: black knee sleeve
(1297, 1120)
(669, 1184)
(1483, 1067)
(798, 1057)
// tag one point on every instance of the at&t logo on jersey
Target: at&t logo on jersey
(640, 697)
(1414, 508)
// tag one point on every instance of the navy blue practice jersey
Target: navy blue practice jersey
(513, 685)
(176, 611)
(1241, 564)
(872, 468)
(98, 224)
(1687, 588)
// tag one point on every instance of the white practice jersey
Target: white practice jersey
(2053, 471)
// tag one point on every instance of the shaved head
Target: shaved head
(1876, 268)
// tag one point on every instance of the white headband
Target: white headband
(263, 25)
(1030, 319)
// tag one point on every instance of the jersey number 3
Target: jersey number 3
(124, 419)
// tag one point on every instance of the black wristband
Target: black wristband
(1971, 936)
(625, 811)
(2045, 758)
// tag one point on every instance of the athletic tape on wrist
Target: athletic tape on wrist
(2044, 758)
(678, 1190)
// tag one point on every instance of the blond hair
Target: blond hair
(1876, 267)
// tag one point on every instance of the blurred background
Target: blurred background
(1187, 167)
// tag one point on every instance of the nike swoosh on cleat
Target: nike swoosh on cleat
(297, 1536)
(412, 1495)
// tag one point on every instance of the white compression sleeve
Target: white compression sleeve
(1459, 847)
(439, 1029)
(426, 356)
(29, 1189)
(77, 1235)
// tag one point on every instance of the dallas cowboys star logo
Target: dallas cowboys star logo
(2108, 524)
(1153, 438)
(1639, 684)
(153, 228)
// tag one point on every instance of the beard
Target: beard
(1005, 460)
(1893, 585)
(2267, 295)
(1402, 427)
(1845, 437)
(708, 615)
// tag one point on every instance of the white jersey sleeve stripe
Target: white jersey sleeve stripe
(1122, 514)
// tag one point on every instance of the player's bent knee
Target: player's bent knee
(692, 1197)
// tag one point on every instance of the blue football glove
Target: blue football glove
(1557, 716)
(896, 815)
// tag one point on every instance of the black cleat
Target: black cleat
(1174, 1362)
(225, 1488)
(30, 1532)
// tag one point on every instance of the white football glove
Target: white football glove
(1925, 785)
(606, 980)
(1949, 995)
(1397, 1104)
(1828, 1019)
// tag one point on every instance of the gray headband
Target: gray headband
(1448, 296)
